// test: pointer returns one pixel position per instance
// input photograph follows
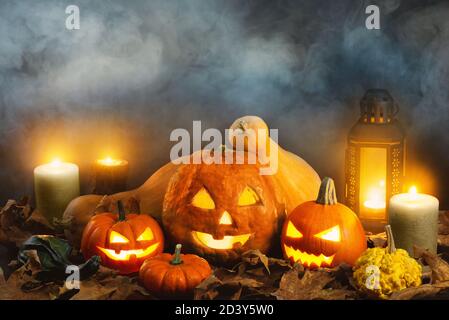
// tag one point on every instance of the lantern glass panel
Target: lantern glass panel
(373, 177)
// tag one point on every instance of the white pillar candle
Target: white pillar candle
(414, 220)
(55, 185)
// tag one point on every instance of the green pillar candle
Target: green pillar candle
(55, 185)
(414, 220)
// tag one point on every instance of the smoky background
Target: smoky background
(136, 70)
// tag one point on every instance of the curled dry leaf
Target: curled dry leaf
(298, 284)
(439, 267)
(256, 276)
(18, 222)
(21, 284)
(377, 240)
(108, 285)
(421, 292)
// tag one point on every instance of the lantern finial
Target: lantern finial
(378, 106)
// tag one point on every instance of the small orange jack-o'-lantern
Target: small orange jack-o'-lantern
(323, 233)
(123, 242)
(221, 210)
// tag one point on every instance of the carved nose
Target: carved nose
(225, 218)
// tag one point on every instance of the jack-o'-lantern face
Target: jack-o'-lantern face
(122, 243)
(221, 210)
(313, 246)
(323, 233)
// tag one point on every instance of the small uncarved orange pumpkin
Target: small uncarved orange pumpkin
(323, 233)
(174, 276)
(123, 242)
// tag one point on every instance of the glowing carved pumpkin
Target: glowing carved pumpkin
(323, 233)
(296, 181)
(122, 241)
(221, 210)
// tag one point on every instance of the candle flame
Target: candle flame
(56, 162)
(376, 197)
(109, 161)
(413, 190)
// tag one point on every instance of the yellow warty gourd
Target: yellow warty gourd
(382, 271)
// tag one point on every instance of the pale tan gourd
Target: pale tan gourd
(296, 177)
(298, 182)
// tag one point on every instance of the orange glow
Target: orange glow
(376, 196)
(332, 234)
(373, 177)
(125, 255)
(248, 197)
(292, 232)
(307, 259)
(116, 237)
(56, 162)
(413, 190)
(203, 200)
(225, 218)
(227, 242)
(147, 235)
(110, 162)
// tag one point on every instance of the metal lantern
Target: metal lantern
(375, 159)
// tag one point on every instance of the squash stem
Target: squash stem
(327, 194)
(391, 248)
(121, 211)
(177, 256)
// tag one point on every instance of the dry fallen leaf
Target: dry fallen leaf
(312, 285)
(377, 240)
(421, 292)
(443, 226)
(21, 285)
(439, 267)
(255, 277)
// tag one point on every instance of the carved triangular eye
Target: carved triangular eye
(292, 232)
(147, 235)
(248, 197)
(116, 237)
(203, 200)
(225, 218)
(331, 234)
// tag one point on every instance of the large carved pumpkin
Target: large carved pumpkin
(296, 182)
(219, 211)
(323, 233)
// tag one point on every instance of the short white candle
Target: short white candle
(55, 185)
(414, 220)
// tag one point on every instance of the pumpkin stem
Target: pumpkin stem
(177, 256)
(391, 248)
(243, 125)
(327, 194)
(121, 211)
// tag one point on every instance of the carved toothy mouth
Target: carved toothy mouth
(308, 259)
(228, 242)
(125, 255)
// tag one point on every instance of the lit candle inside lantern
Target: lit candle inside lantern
(414, 220)
(375, 203)
(110, 175)
(55, 185)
